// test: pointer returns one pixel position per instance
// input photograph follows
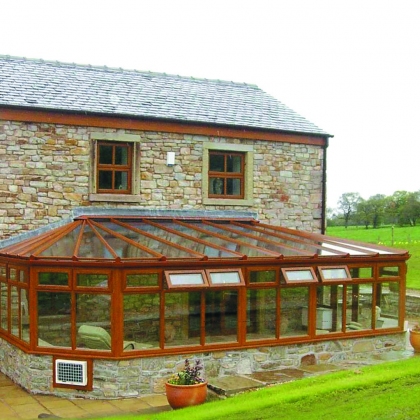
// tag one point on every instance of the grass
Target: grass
(381, 392)
(403, 237)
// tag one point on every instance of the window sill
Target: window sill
(127, 198)
(228, 202)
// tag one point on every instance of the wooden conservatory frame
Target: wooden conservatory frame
(246, 284)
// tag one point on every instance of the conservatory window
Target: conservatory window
(299, 275)
(339, 273)
(185, 278)
(225, 277)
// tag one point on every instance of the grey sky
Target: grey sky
(351, 67)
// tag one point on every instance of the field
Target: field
(400, 237)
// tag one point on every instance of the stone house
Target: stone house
(145, 217)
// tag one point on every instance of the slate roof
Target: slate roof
(39, 84)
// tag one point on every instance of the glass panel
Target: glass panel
(387, 310)
(234, 164)
(233, 186)
(53, 279)
(14, 311)
(299, 275)
(141, 321)
(105, 180)
(361, 272)
(2, 271)
(389, 271)
(334, 273)
(359, 307)
(261, 314)
(4, 307)
(217, 163)
(262, 276)
(228, 277)
(92, 280)
(24, 315)
(105, 154)
(216, 186)
(93, 320)
(54, 319)
(22, 276)
(92, 247)
(221, 316)
(294, 303)
(13, 274)
(121, 155)
(329, 312)
(64, 246)
(142, 280)
(121, 180)
(182, 319)
(184, 279)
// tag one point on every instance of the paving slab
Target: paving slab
(229, 385)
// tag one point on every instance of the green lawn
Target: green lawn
(385, 391)
(403, 237)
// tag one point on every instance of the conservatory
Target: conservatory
(124, 287)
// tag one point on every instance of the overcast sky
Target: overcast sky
(351, 67)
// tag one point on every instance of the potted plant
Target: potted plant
(187, 387)
(415, 338)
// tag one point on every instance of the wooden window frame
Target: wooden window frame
(114, 168)
(334, 280)
(226, 285)
(168, 274)
(285, 272)
(225, 175)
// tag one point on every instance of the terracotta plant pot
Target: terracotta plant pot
(415, 340)
(185, 395)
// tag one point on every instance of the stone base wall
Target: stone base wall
(412, 306)
(142, 376)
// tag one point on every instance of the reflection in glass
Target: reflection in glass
(329, 312)
(387, 305)
(261, 314)
(182, 319)
(53, 278)
(141, 320)
(264, 276)
(293, 318)
(92, 280)
(142, 280)
(54, 319)
(221, 316)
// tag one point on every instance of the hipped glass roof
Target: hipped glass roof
(131, 239)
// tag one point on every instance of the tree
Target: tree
(364, 213)
(377, 203)
(348, 205)
(411, 210)
(395, 205)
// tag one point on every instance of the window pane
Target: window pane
(182, 319)
(142, 280)
(234, 164)
(13, 274)
(361, 272)
(2, 271)
(359, 307)
(216, 163)
(121, 180)
(15, 311)
(387, 305)
(388, 271)
(329, 311)
(334, 273)
(262, 276)
(261, 314)
(233, 186)
(221, 316)
(54, 319)
(105, 154)
(93, 321)
(141, 321)
(4, 307)
(53, 279)
(92, 280)
(24, 315)
(105, 180)
(121, 155)
(216, 186)
(186, 279)
(294, 303)
(230, 277)
(299, 275)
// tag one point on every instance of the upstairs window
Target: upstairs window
(114, 167)
(226, 174)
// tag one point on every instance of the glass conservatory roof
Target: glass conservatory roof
(131, 239)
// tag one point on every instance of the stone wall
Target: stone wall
(45, 172)
(136, 377)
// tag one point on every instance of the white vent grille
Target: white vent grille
(71, 372)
